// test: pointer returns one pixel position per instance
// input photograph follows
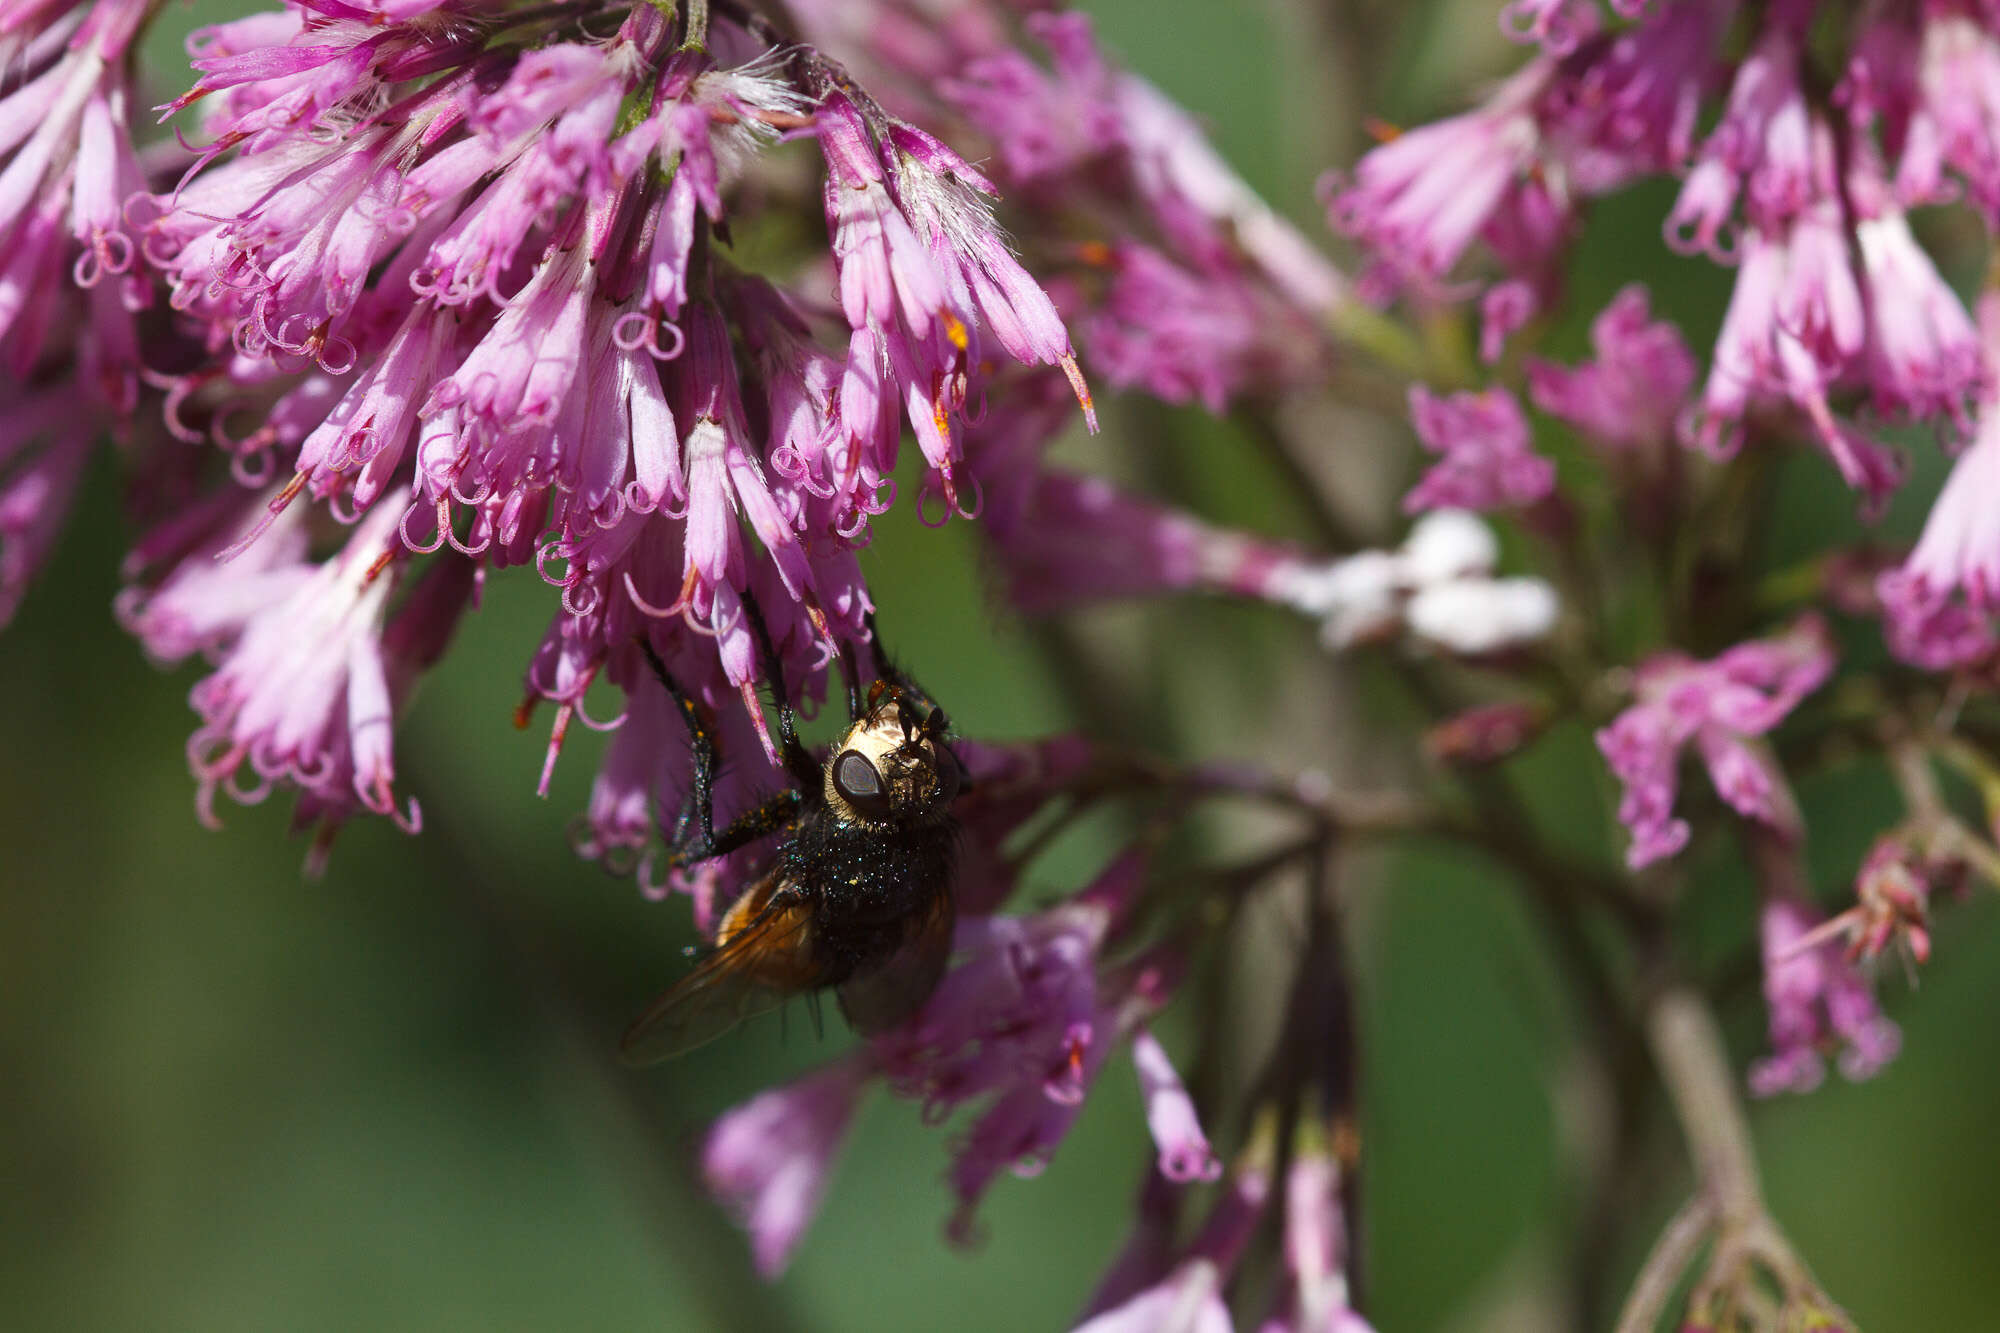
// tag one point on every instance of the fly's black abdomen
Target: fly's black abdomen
(866, 885)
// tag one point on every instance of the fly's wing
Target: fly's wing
(755, 969)
(885, 996)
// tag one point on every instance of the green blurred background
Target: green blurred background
(235, 1099)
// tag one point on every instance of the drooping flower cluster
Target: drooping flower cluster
(648, 296)
(1834, 297)
(466, 283)
(1018, 1032)
(1184, 282)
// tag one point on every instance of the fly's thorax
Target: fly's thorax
(892, 769)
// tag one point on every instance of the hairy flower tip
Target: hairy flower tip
(1819, 1006)
(769, 1160)
(1718, 707)
(1313, 1296)
(1937, 606)
(1630, 397)
(1189, 1295)
(923, 269)
(1489, 459)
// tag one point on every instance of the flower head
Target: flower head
(1489, 459)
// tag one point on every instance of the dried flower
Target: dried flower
(1818, 1005)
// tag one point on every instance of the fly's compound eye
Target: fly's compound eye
(860, 785)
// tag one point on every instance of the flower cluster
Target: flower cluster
(1719, 707)
(1834, 298)
(463, 288)
(648, 297)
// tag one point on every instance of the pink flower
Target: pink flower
(1718, 707)
(1170, 1115)
(1930, 76)
(67, 166)
(1421, 199)
(1313, 1297)
(45, 444)
(1076, 539)
(1631, 396)
(1489, 460)
(1022, 1026)
(1189, 1296)
(770, 1159)
(1818, 1005)
(1188, 335)
(1762, 150)
(1937, 605)
(1629, 101)
(311, 665)
(1923, 360)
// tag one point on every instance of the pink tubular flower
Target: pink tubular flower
(1938, 604)
(1818, 1005)
(1170, 1114)
(1189, 1296)
(1762, 150)
(1718, 707)
(769, 1159)
(463, 272)
(1797, 322)
(311, 665)
(1022, 1025)
(1421, 199)
(1631, 396)
(1929, 75)
(1923, 359)
(1313, 1297)
(1489, 461)
(45, 444)
(1075, 539)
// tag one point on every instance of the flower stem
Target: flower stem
(697, 26)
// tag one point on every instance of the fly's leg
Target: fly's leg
(701, 842)
(803, 767)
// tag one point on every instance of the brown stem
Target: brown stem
(1671, 1254)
